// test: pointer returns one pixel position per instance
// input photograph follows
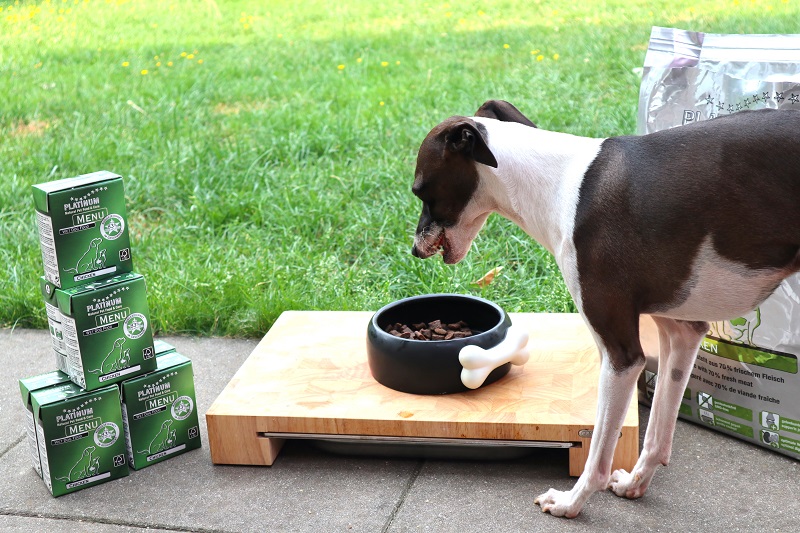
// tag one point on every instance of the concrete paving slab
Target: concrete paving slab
(304, 492)
(714, 483)
(16, 524)
(23, 353)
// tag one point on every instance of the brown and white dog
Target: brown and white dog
(689, 225)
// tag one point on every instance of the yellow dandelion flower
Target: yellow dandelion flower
(540, 57)
(199, 61)
(144, 72)
(556, 56)
(169, 63)
(183, 54)
(125, 64)
(384, 63)
(359, 60)
(396, 62)
(158, 64)
(190, 56)
(381, 104)
(340, 67)
(506, 46)
(534, 52)
(156, 58)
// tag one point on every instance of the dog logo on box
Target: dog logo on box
(93, 259)
(87, 466)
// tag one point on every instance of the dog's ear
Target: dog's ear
(467, 139)
(504, 112)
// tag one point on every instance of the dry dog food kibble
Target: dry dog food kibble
(432, 331)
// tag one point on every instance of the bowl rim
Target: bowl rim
(502, 315)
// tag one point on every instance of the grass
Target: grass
(268, 148)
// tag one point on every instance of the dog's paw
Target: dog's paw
(559, 503)
(630, 485)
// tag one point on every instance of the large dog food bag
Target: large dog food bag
(745, 381)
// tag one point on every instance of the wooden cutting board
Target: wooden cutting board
(309, 375)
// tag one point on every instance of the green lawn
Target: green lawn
(268, 148)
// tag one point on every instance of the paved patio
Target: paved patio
(714, 483)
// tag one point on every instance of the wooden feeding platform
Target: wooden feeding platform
(309, 378)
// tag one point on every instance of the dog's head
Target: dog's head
(446, 180)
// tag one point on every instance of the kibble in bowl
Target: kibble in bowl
(413, 344)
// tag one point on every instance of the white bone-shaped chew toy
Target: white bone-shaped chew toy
(478, 363)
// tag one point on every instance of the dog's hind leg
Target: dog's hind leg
(678, 345)
(623, 361)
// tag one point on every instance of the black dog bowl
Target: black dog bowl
(433, 366)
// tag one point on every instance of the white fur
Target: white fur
(536, 186)
(720, 289)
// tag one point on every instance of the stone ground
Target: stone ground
(714, 482)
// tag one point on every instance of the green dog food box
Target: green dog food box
(106, 330)
(27, 386)
(160, 411)
(79, 435)
(83, 231)
(54, 324)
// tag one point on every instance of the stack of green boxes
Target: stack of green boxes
(117, 398)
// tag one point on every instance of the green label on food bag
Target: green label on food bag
(762, 357)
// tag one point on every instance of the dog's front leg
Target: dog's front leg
(616, 391)
(678, 345)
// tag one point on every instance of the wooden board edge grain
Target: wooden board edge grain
(625, 454)
(234, 440)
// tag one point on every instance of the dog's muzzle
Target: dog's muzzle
(430, 241)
